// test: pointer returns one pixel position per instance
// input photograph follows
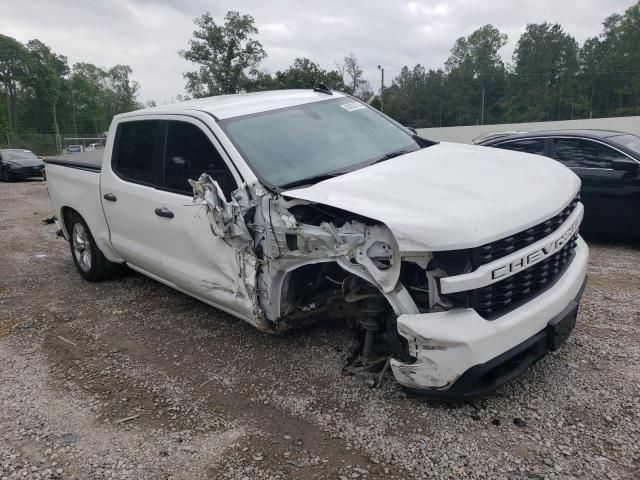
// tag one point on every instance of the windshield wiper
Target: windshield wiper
(327, 176)
(308, 180)
(394, 154)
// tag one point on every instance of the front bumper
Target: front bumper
(26, 172)
(461, 355)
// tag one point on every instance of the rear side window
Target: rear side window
(582, 153)
(139, 145)
(527, 145)
(630, 141)
(189, 154)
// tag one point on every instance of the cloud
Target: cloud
(147, 34)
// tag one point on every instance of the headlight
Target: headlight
(13, 166)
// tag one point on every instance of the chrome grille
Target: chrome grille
(494, 300)
(503, 247)
(507, 294)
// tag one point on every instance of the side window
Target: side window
(527, 145)
(139, 145)
(578, 152)
(189, 154)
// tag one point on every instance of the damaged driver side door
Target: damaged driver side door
(194, 259)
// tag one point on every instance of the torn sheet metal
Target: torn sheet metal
(227, 222)
(225, 217)
(271, 242)
(369, 252)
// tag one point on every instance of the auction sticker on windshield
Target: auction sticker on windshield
(351, 106)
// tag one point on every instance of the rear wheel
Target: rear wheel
(89, 260)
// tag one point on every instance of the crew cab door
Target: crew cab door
(128, 187)
(193, 258)
(607, 194)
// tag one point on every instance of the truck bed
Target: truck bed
(73, 182)
(90, 160)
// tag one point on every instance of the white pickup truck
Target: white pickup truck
(460, 265)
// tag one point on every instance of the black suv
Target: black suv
(607, 162)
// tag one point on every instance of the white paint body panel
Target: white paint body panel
(196, 261)
(449, 343)
(81, 190)
(451, 196)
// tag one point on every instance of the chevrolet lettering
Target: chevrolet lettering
(537, 255)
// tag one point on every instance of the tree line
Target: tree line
(550, 76)
(229, 54)
(42, 94)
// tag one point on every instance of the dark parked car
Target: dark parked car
(17, 163)
(608, 162)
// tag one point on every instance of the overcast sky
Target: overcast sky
(146, 34)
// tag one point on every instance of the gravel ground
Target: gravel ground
(129, 379)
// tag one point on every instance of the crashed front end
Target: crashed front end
(443, 325)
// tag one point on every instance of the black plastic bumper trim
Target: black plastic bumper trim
(481, 380)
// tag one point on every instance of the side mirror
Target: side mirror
(625, 165)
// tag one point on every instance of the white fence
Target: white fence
(467, 134)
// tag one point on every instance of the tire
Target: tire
(6, 176)
(92, 265)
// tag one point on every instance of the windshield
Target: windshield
(17, 154)
(285, 147)
(630, 141)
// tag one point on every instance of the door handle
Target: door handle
(109, 196)
(164, 212)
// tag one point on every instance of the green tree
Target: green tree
(304, 73)
(13, 57)
(545, 74)
(416, 97)
(610, 65)
(121, 91)
(352, 74)
(476, 76)
(42, 95)
(47, 72)
(87, 85)
(228, 55)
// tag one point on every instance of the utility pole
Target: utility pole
(482, 114)
(480, 76)
(381, 87)
(73, 113)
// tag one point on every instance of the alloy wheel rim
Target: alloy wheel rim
(82, 247)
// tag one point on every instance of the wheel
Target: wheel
(6, 176)
(89, 260)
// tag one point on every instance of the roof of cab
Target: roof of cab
(228, 106)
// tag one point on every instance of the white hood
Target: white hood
(451, 196)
